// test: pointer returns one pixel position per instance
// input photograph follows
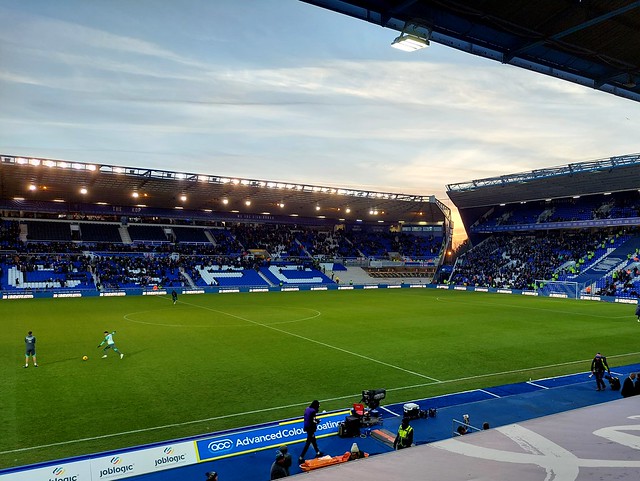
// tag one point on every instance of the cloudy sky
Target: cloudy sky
(282, 90)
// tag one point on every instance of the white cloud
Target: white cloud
(232, 93)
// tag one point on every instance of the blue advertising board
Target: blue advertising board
(265, 437)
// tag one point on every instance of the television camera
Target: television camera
(372, 397)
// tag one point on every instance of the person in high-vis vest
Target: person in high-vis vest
(404, 439)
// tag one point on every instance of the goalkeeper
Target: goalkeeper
(109, 343)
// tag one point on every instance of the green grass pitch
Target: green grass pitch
(214, 362)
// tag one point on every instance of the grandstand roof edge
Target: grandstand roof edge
(160, 174)
(537, 174)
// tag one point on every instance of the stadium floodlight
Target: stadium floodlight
(409, 43)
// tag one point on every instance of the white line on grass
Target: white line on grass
(154, 428)
(493, 304)
(308, 339)
(128, 318)
(350, 396)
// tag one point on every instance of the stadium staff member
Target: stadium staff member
(310, 426)
(598, 367)
(404, 439)
(211, 476)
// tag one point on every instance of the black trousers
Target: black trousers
(311, 440)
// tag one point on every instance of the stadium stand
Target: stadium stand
(147, 233)
(190, 235)
(522, 237)
(48, 231)
(100, 233)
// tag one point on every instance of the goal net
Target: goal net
(567, 289)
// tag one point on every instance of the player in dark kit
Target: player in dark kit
(174, 296)
(30, 349)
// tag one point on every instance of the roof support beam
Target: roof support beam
(576, 28)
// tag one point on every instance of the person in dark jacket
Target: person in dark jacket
(310, 426)
(628, 386)
(598, 367)
(279, 468)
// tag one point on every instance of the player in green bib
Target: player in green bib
(109, 343)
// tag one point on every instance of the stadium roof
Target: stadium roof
(616, 174)
(79, 183)
(592, 42)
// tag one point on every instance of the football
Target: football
(84, 358)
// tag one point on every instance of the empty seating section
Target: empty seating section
(9, 234)
(190, 234)
(48, 231)
(147, 233)
(624, 205)
(100, 233)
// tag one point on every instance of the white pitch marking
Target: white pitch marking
(489, 393)
(389, 411)
(282, 331)
(537, 385)
(494, 304)
(276, 408)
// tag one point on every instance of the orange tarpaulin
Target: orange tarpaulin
(311, 464)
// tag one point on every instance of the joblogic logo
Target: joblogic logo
(117, 468)
(58, 475)
(220, 446)
(169, 457)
